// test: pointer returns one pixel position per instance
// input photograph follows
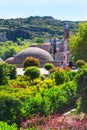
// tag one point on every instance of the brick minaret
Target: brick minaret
(66, 48)
(66, 31)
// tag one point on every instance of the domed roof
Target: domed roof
(10, 59)
(36, 52)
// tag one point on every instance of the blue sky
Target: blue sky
(75, 10)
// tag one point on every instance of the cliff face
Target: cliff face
(28, 28)
(17, 33)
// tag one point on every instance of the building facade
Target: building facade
(58, 48)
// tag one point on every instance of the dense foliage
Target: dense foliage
(7, 72)
(78, 43)
(9, 48)
(59, 77)
(33, 27)
(81, 80)
(80, 63)
(32, 72)
(21, 100)
(12, 71)
(4, 72)
(31, 61)
(48, 66)
(5, 126)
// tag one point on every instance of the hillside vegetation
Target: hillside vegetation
(31, 27)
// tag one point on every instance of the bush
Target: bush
(82, 105)
(59, 77)
(48, 66)
(32, 72)
(60, 99)
(12, 72)
(31, 61)
(7, 71)
(4, 72)
(80, 63)
(5, 126)
(70, 75)
(81, 80)
(9, 109)
(39, 40)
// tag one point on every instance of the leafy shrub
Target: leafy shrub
(7, 71)
(52, 71)
(70, 75)
(59, 77)
(5, 126)
(12, 72)
(9, 53)
(20, 82)
(39, 40)
(31, 61)
(63, 97)
(48, 66)
(48, 83)
(32, 72)
(80, 63)
(9, 109)
(42, 77)
(59, 99)
(81, 80)
(4, 72)
(43, 97)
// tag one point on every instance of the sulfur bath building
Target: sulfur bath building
(33, 51)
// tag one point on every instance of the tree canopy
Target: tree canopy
(78, 43)
(31, 27)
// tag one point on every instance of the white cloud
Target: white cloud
(84, 19)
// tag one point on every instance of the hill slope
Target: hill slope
(29, 28)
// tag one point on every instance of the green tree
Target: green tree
(12, 72)
(32, 72)
(4, 72)
(9, 53)
(9, 109)
(7, 72)
(78, 43)
(39, 40)
(59, 77)
(31, 61)
(81, 80)
(48, 66)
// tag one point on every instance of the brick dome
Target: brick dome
(36, 52)
(33, 51)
